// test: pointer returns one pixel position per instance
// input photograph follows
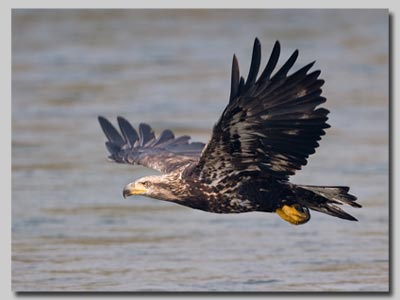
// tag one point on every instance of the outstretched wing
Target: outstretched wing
(271, 124)
(165, 153)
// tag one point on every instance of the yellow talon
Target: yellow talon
(294, 214)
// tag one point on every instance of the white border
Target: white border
(5, 117)
(198, 4)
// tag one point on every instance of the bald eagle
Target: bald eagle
(266, 132)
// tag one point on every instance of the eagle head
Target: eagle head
(164, 187)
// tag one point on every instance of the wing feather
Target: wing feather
(129, 133)
(255, 64)
(166, 136)
(272, 62)
(235, 80)
(164, 154)
(271, 125)
(110, 132)
(282, 73)
(146, 134)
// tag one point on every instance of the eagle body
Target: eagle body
(267, 131)
(229, 196)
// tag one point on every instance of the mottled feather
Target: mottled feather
(272, 124)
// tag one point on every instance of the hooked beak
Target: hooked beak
(133, 189)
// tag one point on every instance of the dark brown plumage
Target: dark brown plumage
(267, 131)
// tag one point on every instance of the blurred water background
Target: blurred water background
(71, 228)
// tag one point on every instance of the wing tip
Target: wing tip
(102, 120)
(144, 125)
(235, 78)
(254, 64)
(352, 218)
(121, 119)
(108, 129)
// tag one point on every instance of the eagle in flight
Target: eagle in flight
(266, 132)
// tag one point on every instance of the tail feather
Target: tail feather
(326, 198)
(333, 211)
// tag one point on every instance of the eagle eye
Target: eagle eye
(146, 184)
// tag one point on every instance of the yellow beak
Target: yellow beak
(133, 189)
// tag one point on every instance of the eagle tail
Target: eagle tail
(326, 199)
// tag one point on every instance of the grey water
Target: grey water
(71, 228)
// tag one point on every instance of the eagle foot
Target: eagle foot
(294, 214)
